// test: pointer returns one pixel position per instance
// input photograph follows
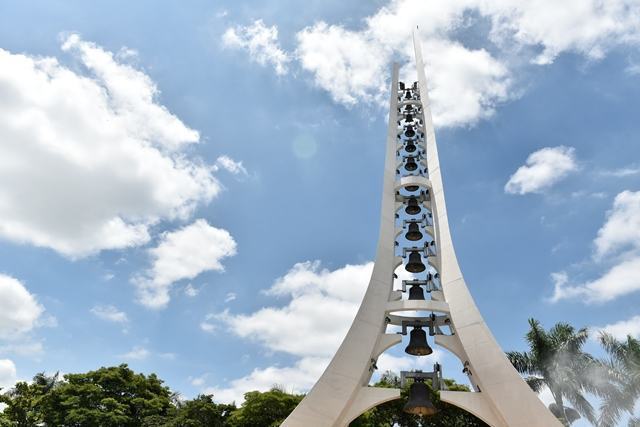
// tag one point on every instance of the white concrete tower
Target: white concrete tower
(413, 201)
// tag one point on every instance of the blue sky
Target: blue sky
(194, 189)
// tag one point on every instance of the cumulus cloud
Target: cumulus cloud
(90, 159)
(183, 254)
(230, 165)
(8, 375)
(110, 313)
(20, 312)
(352, 64)
(620, 329)
(261, 42)
(543, 169)
(617, 244)
(136, 353)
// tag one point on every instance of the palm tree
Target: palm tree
(623, 367)
(556, 360)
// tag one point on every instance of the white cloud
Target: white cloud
(544, 168)
(622, 229)
(620, 329)
(296, 379)
(261, 42)
(207, 325)
(302, 327)
(136, 353)
(89, 158)
(191, 291)
(467, 84)
(183, 254)
(8, 375)
(110, 313)
(230, 165)
(389, 362)
(20, 312)
(231, 296)
(617, 243)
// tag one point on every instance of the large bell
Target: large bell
(409, 133)
(413, 207)
(416, 292)
(415, 264)
(418, 345)
(419, 402)
(411, 164)
(410, 147)
(414, 232)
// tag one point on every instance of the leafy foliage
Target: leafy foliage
(264, 409)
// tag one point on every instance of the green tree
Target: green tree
(556, 359)
(202, 412)
(392, 413)
(113, 396)
(268, 409)
(623, 369)
(24, 401)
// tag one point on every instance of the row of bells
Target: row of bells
(419, 402)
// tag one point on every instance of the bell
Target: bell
(418, 345)
(412, 206)
(411, 188)
(415, 264)
(407, 95)
(416, 292)
(419, 402)
(408, 108)
(408, 118)
(414, 232)
(411, 164)
(401, 84)
(409, 133)
(410, 147)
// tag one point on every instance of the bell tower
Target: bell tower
(434, 303)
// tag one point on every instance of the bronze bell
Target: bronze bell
(412, 206)
(418, 345)
(401, 84)
(408, 117)
(419, 402)
(415, 264)
(411, 164)
(407, 95)
(414, 232)
(409, 133)
(411, 188)
(410, 147)
(416, 292)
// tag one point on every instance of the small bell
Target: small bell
(407, 95)
(411, 188)
(409, 133)
(418, 345)
(401, 84)
(419, 402)
(411, 164)
(408, 108)
(416, 292)
(415, 264)
(408, 118)
(414, 232)
(410, 147)
(412, 206)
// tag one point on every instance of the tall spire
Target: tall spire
(414, 236)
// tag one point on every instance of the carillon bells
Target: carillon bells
(414, 232)
(416, 292)
(408, 118)
(409, 132)
(412, 206)
(419, 402)
(418, 345)
(415, 264)
(410, 147)
(407, 95)
(411, 164)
